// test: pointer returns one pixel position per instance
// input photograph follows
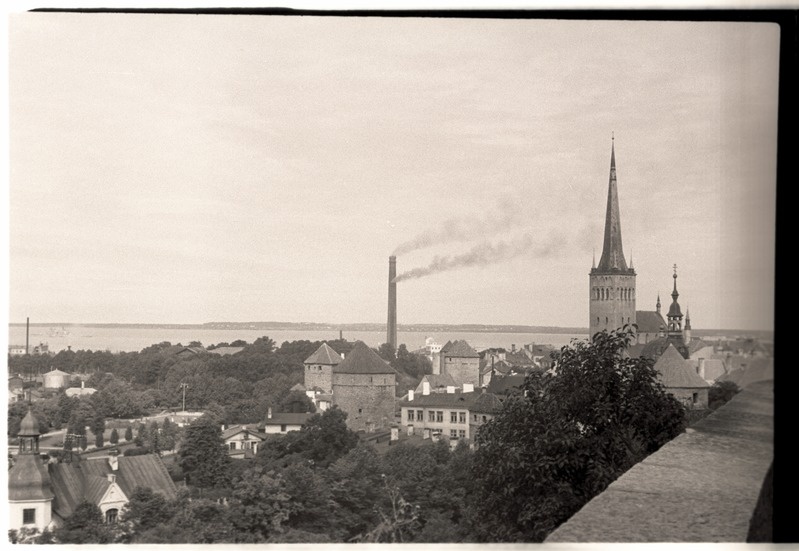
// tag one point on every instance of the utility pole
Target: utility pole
(184, 386)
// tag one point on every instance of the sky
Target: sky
(190, 168)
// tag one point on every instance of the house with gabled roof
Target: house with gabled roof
(44, 495)
(680, 379)
(241, 441)
(225, 350)
(364, 386)
(281, 423)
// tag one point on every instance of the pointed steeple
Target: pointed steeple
(593, 261)
(675, 314)
(688, 318)
(657, 306)
(612, 258)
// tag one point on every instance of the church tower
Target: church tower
(612, 283)
(29, 494)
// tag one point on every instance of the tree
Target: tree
(129, 434)
(114, 439)
(387, 351)
(721, 392)
(169, 434)
(203, 456)
(98, 440)
(84, 525)
(146, 509)
(326, 437)
(569, 435)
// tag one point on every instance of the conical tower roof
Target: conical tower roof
(612, 258)
(324, 355)
(29, 426)
(363, 359)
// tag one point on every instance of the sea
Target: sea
(134, 339)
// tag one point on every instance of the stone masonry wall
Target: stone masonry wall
(317, 375)
(702, 486)
(365, 398)
(463, 370)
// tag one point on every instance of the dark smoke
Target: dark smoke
(509, 214)
(486, 253)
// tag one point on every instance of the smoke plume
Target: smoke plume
(508, 214)
(487, 253)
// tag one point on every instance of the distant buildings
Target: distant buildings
(461, 362)
(56, 379)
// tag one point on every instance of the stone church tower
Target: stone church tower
(612, 283)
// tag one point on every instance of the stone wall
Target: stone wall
(611, 301)
(700, 487)
(462, 370)
(686, 397)
(318, 375)
(369, 400)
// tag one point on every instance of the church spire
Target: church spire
(612, 258)
(657, 306)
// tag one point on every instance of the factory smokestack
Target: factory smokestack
(391, 337)
(27, 335)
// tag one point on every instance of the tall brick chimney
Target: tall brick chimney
(391, 337)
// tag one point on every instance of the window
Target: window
(453, 433)
(462, 417)
(696, 397)
(111, 516)
(420, 415)
(439, 416)
(475, 417)
(282, 428)
(232, 445)
(453, 417)
(484, 418)
(410, 415)
(461, 433)
(431, 416)
(29, 516)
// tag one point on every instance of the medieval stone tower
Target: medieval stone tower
(612, 283)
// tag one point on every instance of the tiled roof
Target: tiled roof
(147, 471)
(503, 385)
(713, 368)
(445, 348)
(634, 350)
(754, 370)
(697, 344)
(226, 350)
(298, 387)
(464, 400)
(324, 355)
(460, 349)
(676, 372)
(363, 359)
(437, 381)
(233, 431)
(649, 321)
(57, 372)
(286, 419)
(518, 359)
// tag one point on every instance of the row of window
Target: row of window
(607, 293)
(438, 416)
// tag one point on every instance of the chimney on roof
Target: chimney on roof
(391, 336)
(114, 462)
(410, 396)
(513, 348)
(269, 413)
(82, 384)
(425, 388)
(112, 478)
(701, 368)
(450, 389)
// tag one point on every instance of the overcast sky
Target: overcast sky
(187, 168)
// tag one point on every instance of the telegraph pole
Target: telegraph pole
(184, 386)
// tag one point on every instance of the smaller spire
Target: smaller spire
(657, 306)
(593, 260)
(674, 293)
(688, 318)
(631, 259)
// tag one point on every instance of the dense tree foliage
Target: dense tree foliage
(721, 392)
(572, 433)
(203, 456)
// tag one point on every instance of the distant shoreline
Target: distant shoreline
(411, 328)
